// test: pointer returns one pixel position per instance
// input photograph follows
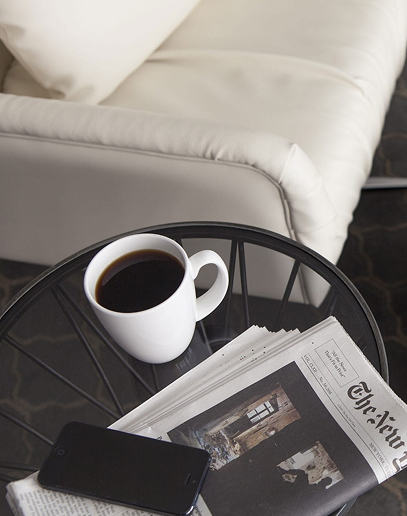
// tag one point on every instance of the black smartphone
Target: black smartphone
(125, 469)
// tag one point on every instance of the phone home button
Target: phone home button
(60, 451)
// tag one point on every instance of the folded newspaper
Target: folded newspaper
(296, 423)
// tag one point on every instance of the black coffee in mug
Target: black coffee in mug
(138, 281)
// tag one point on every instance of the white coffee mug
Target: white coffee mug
(161, 333)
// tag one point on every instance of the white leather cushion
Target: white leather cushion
(81, 50)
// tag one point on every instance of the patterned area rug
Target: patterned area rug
(374, 259)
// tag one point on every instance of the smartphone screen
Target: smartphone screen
(125, 469)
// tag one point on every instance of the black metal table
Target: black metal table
(57, 364)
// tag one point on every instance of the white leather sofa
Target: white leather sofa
(262, 112)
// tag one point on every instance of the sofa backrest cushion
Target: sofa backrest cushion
(82, 50)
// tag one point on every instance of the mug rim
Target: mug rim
(92, 298)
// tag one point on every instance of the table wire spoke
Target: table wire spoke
(155, 377)
(229, 293)
(6, 478)
(331, 300)
(204, 334)
(90, 351)
(26, 426)
(124, 361)
(58, 375)
(243, 279)
(289, 287)
(15, 466)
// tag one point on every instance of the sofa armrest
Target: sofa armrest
(275, 158)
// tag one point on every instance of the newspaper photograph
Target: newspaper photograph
(276, 450)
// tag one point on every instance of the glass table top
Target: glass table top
(57, 363)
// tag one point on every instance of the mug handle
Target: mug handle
(207, 303)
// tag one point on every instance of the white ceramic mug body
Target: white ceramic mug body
(161, 333)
